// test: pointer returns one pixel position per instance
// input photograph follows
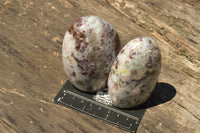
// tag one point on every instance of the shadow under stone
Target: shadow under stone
(163, 92)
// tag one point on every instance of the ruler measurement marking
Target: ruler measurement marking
(84, 103)
(125, 127)
(130, 126)
(106, 117)
(107, 107)
(59, 99)
(83, 108)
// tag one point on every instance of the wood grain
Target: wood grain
(31, 70)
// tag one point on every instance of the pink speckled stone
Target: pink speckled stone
(89, 49)
(134, 73)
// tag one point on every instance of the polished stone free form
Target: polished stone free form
(89, 48)
(134, 73)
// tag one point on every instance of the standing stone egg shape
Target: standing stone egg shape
(134, 73)
(88, 51)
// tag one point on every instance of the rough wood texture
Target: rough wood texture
(31, 70)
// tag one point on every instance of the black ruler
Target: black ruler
(84, 102)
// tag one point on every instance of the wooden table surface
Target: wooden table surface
(31, 69)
